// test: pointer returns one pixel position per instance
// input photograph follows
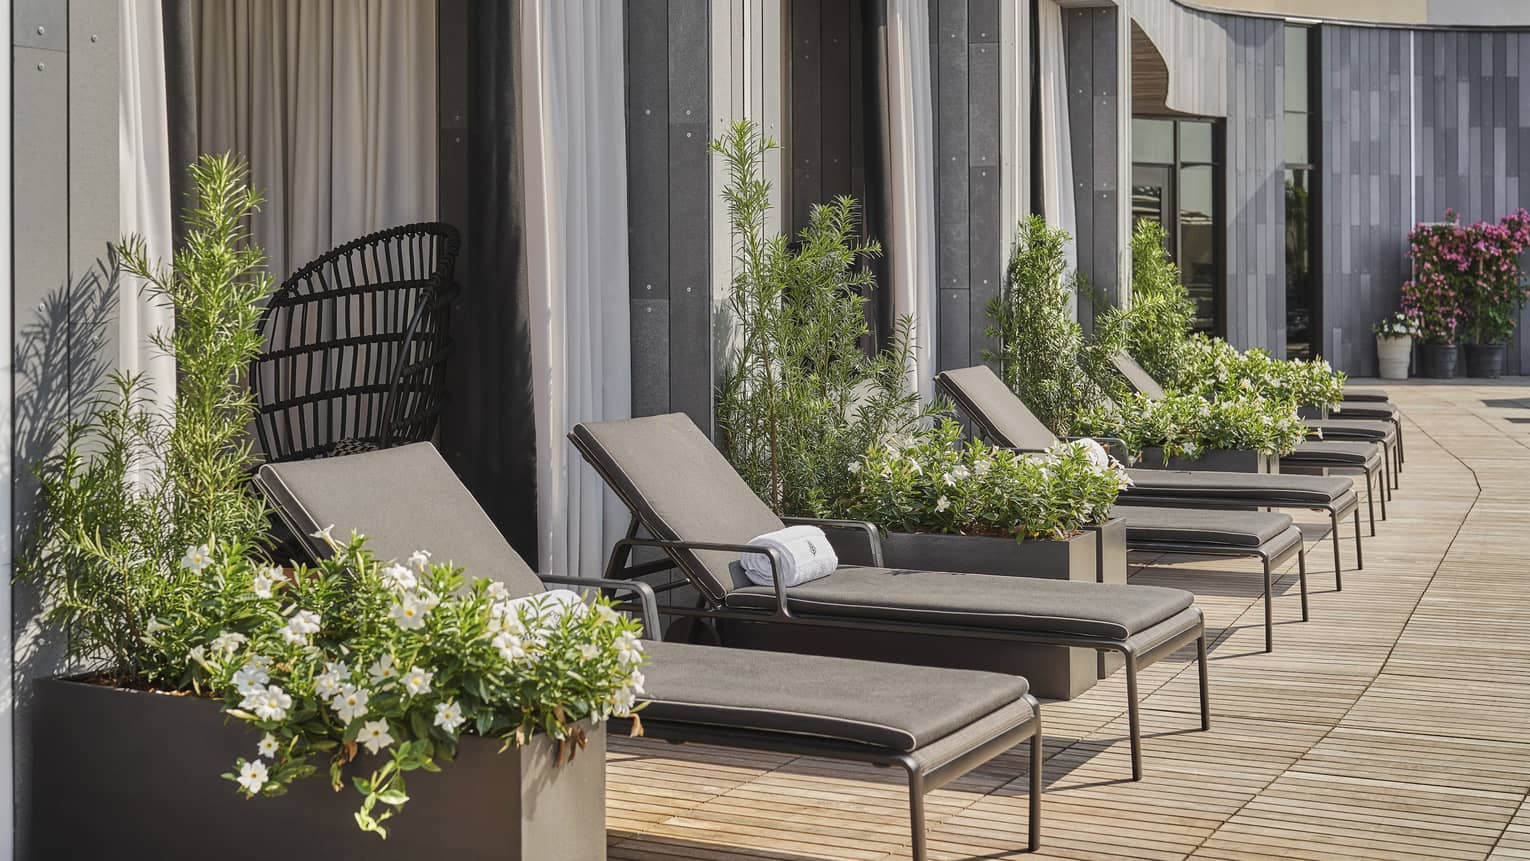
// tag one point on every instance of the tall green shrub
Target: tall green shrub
(131, 489)
(801, 400)
(1162, 312)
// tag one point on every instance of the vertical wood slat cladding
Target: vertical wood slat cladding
(827, 137)
(668, 206)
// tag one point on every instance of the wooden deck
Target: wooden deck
(1395, 724)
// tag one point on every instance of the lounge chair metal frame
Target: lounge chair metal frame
(1138, 651)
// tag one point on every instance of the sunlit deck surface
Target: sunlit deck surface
(1395, 724)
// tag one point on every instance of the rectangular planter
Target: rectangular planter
(1215, 460)
(129, 774)
(1112, 569)
(1055, 672)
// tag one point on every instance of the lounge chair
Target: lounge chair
(701, 515)
(1375, 406)
(995, 412)
(1312, 456)
(936, 724)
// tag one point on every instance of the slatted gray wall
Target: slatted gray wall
(669, 206)
(964, 76)
(1094, 55)
(828, 140)
(1473, 109)
(64, 195)
(1365, 191)
(1253, 198)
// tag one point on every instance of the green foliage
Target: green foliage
(1042, 350)
(1161, 312)
(1215, 370)
(131, 488)
(377, 670)
(931, 482)
(801, 399)
(1188, 425)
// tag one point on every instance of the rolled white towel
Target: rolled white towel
(805, 555)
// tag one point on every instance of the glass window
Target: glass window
(1303, 303)
(1297, 138)
(1299, 281)
(1298, 64)
(1176, 176)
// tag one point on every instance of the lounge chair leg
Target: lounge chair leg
(1386, 471)
(1034, 824)
(1269, 612)
(1133, 715)
(1401, 457)
(916, 816)
(1200, 664)
(1382, 485)
(1338, 566)
(1370, 500)
(1301, 573)
(1359, 551)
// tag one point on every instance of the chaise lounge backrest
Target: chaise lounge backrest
(681, 488)
(403, 499)
(986, 400)
(1140, 380)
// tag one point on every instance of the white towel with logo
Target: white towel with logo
(805, 555)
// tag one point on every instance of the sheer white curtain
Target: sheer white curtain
(911, 181)
(1057, 200)
(334, 104)
(144, 204)
(572, 86)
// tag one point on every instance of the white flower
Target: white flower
(374, 735)
(197, 558)
(350, 703)
(409, 612)
(382, 669)
(636, 682)
(155, 626)
(325, 536)
(417, 681)
(961, 471)
(504, 618)
(250, 678)
(449, 716)
(264, 579)
(398, 578)
(942, 504)
(228, 642)
(606, 615)
(948, 478)
(429, 599)
(629, 649)
(328, 683)
(419, 559)
(300, 627)
(588, 651)
(252, 776)
(271, 704)
(267, 747)
(199, 654)
(914, 465)
(855, 467)
(510, 647)
(981, 467)
(623, 700)
(497, 591)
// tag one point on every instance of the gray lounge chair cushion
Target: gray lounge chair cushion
(1136, 376)
(977, 601)
(1365, 396)
(1335, 453)
(982, 396)
(1187, 526)
(1277, 489)
(1368, 410)
(667, 471)
(864, 702)
(1371, 430)
(403, 499)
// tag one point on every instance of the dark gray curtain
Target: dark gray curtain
(488, 431)
(179, 17)
(878, 218)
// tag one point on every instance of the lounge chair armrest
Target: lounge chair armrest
(641, 590)
(855, 541)
(1114, 446)
(671, 546)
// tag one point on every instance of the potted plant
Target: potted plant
(1495, 293)
(192, 655)
(1214, 369)
(1436, 294)
(1233, 433)
(1394, 344)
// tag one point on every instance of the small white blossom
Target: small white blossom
(982, 466)
(264, 580)
(497, 591)
(267, 747)
(250, 677)
(510, 647)
(350, 703)
(271, 703)
(606, 615)
(588, 651)
(855, 467)
(328, 683)
(629, 649)
(228, 642)
(382, 669)
(197, 558)
(409, 612)
(636, 682)
(326, 535)
(622, 701)
(374, 735)
(417, 681)
(429, 599)
(449, 716)
(942, 504)
(252, 776)
(948, 478)
(302, 625)
(397, 578)
(419, 559)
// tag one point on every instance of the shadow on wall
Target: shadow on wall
(60, 359)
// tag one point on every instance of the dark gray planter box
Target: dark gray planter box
(1055, 672)
(1215, 460)
(1111, 569)
(127, 774)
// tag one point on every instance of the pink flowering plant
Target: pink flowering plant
(1467, 281)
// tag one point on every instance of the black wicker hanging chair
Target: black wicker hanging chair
(354, 346)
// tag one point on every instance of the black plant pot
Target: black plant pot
(1484, 361)
(1440, 361)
